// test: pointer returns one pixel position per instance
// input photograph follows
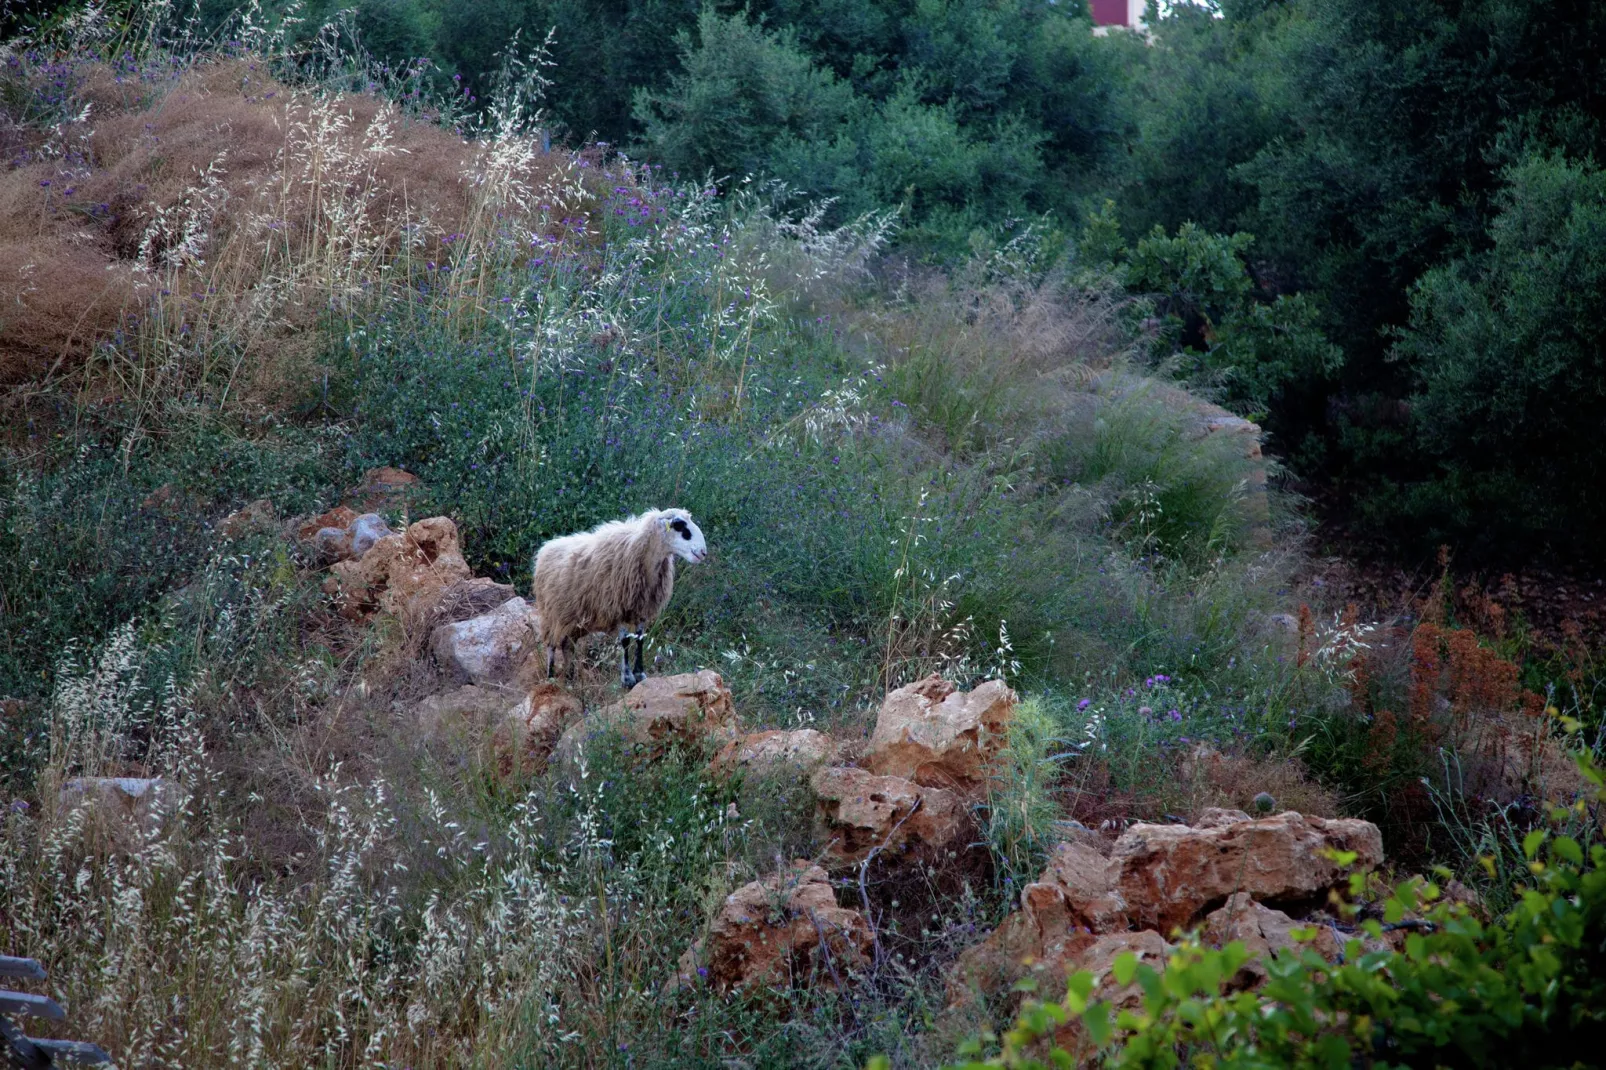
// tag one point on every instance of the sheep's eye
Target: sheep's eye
(680, 526)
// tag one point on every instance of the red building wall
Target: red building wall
(1109, 12)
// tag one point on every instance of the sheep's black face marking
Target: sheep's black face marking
(680, 526)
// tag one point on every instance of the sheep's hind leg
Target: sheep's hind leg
(626, 678)
(639, 674)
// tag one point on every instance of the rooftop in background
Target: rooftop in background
(1107, 13)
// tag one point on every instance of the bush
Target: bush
(1509, 350)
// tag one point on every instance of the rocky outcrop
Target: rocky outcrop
(1081, 883)
(1222, 873)
(691, 709)
(779, 931)
(490, 648)
(526, 737)
(775, 751)
(404, 575)
(940, 737)
(1170, 875)
(857, 812)
(252, 519)
(384, 490)
(1264, 932)
(464, 713)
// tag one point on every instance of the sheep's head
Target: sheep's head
(685, 538)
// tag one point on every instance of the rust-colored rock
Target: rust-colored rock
(339, 519)
(1087, 881)
(1097, 958)
(1036, 943)
(1170, 875)
(692, 708)
(1264, 933)
(406, 574)
(464, 715)
(525, 739)
(763, 752)
(939, 737)
(858, 812)
(779, 931)
(259, 516)
(383, 490)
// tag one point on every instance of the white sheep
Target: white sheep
(618, 575)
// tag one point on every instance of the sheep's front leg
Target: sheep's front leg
(626, 678)
(640, 674)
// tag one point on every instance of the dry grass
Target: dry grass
(205, 224)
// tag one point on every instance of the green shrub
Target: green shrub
(1509, 350)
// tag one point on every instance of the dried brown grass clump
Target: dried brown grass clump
(209, 224)
(1212, 778)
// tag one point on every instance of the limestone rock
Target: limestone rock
(404, 574)
(936, 736)
(526, 737)
(1214, 817)
(122, 805)
(464, 713)
(1097, 958)
(384, 489)
(1264, 932)
(1087, 881)
(857, 812)
(490, 648)
(691, 708)
(779, 931)
(257, 517)
(1170, 874)
(762, 752)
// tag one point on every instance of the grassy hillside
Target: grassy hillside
(226, 284)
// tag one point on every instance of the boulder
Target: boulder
(1086, 882)
(490, 648)
(384, 490)
(1214, 817)
(404, 575)
(1170, 875)
(767, 752)
(468, 712)
(937, 736)
(1097, 958)
(779, 931)
(528, 734)
(1264, 932)
(332, 540)
(692, 708)
(257, 517)
(857, 812)
(1038, 947)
